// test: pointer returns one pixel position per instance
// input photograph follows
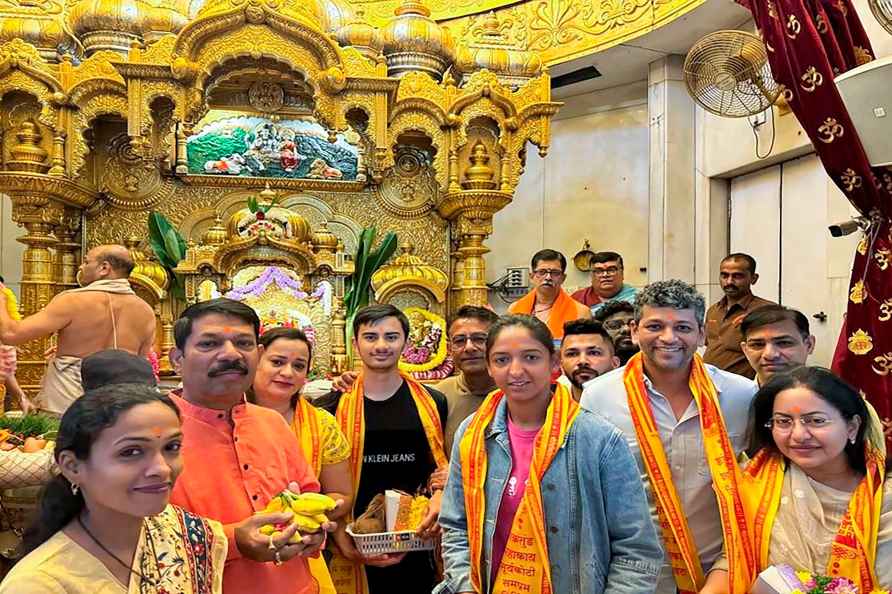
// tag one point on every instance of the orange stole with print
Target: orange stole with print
(853, 552)
(525, 567)
(563, 310)
(677, 537)
(349, 577)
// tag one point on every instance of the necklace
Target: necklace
(139, 574)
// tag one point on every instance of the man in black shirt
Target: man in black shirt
(395, 428)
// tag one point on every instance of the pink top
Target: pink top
(522, 442)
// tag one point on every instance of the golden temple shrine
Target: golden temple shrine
(269, 134)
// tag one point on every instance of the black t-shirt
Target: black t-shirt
(396, 455)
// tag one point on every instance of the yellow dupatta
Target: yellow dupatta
(525, 565)
(306, 427)
(349, 577)
(853, 552)
(677, 537)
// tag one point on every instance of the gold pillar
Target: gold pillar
(67, 250)
(470, 210)
(39, 216)
(166, 340)
(472, 233)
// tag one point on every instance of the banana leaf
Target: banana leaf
(366, 262)
(169, 247)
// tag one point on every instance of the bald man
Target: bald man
(103, 314)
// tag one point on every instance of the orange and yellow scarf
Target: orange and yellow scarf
(853, 552)
(563, 310)
(349, 577)
(525, 566)
(677, 537)
(305, 425)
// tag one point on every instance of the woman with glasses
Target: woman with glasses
(814, 494)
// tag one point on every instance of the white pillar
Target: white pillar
(672, 225)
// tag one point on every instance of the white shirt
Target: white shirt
(683, 444)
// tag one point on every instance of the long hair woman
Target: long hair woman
(105, 523)
(526, 505)
(814, 493)
(281, 375)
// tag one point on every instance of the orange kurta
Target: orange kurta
(565, 309)
(233, 465)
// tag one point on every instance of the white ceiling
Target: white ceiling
(627, 62)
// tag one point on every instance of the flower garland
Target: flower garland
(426, 347)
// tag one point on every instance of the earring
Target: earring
(75, 488)
(852, 440)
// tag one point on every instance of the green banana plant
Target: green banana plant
(170, 248)
(358, 285)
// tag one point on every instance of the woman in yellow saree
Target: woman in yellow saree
(105, 525)
(814, 495)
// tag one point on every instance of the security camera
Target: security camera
(848, 227)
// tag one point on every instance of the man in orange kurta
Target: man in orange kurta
(548, 301)
(238, 456)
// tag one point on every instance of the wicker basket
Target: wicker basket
(382, 543)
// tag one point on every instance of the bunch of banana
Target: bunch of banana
(308, 508)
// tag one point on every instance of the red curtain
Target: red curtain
(809, 42)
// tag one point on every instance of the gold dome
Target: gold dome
(415, 42)
(325, 239)
(147, 272)
(409, 269)
(361, 35)
(107, 24)
(160, 20)
(512, 65)
(45, 32)
(216, 233)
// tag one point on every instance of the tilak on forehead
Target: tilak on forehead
(156, 431)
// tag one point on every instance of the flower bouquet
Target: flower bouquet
(783, 579)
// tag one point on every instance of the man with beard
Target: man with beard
(737, 275)
(395, 428)
(670, 406)
(776, 339)
(548, 301)
(238, 456)
(586, 353)
(617, 317)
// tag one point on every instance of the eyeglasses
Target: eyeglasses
(459, 341)
(784, 424)
(617, 324)
(545, 272)
(606, 271)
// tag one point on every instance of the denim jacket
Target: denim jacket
(600, 535)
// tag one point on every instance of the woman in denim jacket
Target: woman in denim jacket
(542, 496)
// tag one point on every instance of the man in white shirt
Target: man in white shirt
(669, 327)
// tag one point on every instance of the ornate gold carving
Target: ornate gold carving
(27, 155)
(266, 96)
(409, 190)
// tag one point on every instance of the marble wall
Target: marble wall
(592, 185)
